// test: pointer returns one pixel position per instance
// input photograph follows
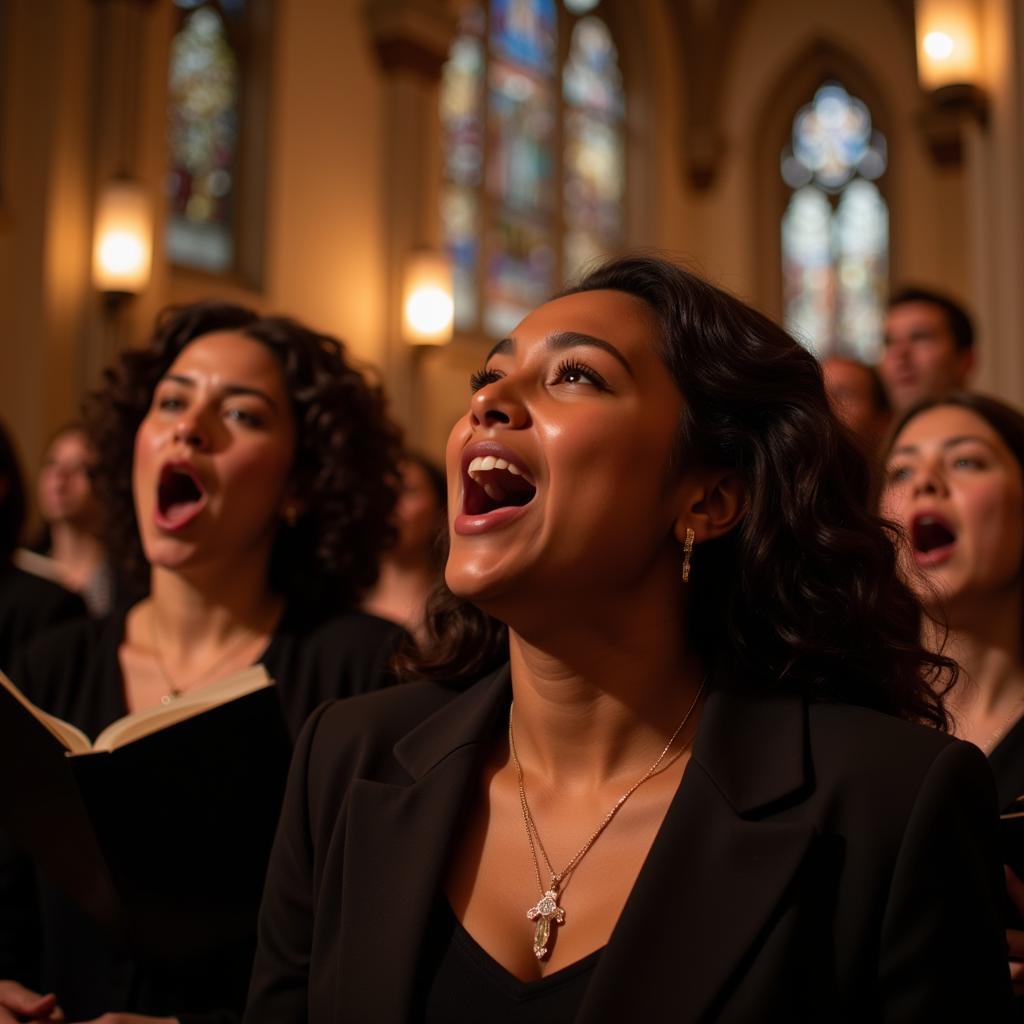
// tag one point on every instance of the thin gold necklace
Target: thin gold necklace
(546, 911)
(174, 689)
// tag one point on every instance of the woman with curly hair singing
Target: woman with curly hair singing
(248, 474)
(693, 782)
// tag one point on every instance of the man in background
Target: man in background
(928, 347)
(858, 399)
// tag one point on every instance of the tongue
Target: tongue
(178, 495)
(507, 489)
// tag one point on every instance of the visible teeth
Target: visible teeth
(487, 463)
(492, 492)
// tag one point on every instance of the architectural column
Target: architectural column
(411, 38)
(994, 164)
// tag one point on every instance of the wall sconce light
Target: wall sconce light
(428, 305)
(122, 250)
(949, 68)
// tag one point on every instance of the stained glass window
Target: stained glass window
(534, 154)
(835, 231)
(203, 126)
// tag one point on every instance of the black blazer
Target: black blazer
(819, 862)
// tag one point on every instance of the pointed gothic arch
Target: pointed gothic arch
(795, 86)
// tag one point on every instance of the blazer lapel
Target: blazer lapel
(716, 871)
(396, 846)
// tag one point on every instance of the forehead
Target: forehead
(623, 320)
(71, 443)
(908, 316)
(944, 422)
(228, 354)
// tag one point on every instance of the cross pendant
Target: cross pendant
(544, 913)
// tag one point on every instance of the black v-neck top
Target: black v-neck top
(461, 983)
(74, 672)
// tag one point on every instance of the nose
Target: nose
(189, 430)
(929, 479)
(498, 405)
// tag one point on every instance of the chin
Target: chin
(169, 553)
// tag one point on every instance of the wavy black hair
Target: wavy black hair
(804, 594)
(346, 452)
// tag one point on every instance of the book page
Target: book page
(65, 733)
(144, 723)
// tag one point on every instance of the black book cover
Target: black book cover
(163, 841)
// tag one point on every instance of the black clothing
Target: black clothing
(460, 983)
(1007, 761)
(29, 605)
(819, 862)
(76, 675)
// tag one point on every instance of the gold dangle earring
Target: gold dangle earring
(687, 554)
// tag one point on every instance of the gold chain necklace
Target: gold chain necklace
(546, 912)
(174, 691)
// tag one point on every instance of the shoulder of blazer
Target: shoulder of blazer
(395, 735)
(763, 748)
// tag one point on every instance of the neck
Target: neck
(405, 570)
(597, 700)
(985, 638)
(75, 549)
(200, 612)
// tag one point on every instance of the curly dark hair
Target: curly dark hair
(346, 452)
(804, 594)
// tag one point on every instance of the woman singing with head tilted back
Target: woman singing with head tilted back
(665, 758)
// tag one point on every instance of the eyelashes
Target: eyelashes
(482, 378)
(569, 371)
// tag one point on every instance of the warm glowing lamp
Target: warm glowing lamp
(428, 306)
(950, 69)
(948, 43)
(122, 239)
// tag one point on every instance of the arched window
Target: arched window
(533, 111)
(835, 230)
(218, 89)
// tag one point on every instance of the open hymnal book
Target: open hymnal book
(163, 823)
(143, 723)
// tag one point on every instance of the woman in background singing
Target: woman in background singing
(247, 471)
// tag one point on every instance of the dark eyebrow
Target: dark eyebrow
(505, 347)
(950, 442)
(968, 437)
(562, 340)
(229, 389)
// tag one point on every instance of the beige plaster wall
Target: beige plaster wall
(44, 215)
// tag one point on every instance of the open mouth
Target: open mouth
(180, 495)
(931, 533)
(491, 483)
